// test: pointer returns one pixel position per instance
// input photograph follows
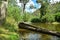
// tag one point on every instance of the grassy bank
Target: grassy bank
(8, 30)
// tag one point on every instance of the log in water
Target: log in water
(36, 29)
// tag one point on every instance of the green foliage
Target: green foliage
(49, 11)
(53, 12)
(49, 18)
(12, 2)
(15, 12)
(24, 1)
(54, 8)
(10, 27)
(57, 17)
(10, 24)
(26, 17)
(43, 9)
(11, 36)
(45, 18)
(35, 20)
(0, 2)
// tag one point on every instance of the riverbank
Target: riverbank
(6, 34)
(47, 22)
(55, 22)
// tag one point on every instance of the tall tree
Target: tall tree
(24, 3)
(44, 4)
(12, 2)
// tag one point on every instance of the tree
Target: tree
(14, 12)
(24, 3)
(12, 2)
(44, 4)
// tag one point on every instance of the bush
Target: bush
(11, 36)
(14, 12)
(43, 20)
(57, 17)
(26, 17)
(48, 18)
(35, 20)
(10, 27)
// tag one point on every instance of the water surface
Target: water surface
(31, 35)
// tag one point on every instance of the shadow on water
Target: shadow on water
(30, 35)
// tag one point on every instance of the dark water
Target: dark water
(30, 35)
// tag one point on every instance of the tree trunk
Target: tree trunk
(40, 30)
(3, 11)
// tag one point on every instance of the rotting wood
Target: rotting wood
(40, 30)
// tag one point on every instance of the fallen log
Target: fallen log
(40, 30)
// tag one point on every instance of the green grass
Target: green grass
(5, 34)
(8, 30)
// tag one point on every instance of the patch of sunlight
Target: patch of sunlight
(5, 31)
(2, 30)
(55, 23)
(13, 33)
(4, 35)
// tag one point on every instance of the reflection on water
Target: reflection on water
(55, 38)
(38, 36)
(33, 36)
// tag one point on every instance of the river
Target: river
(30, 35)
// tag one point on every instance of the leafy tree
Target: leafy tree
(44, 5)
(12, 2)
(24, 3)
(57, 17)
(53, 8)
(14, 11)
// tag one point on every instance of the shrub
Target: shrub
(57, 17)
(14, 12)
(48, 18)
(11, 36)
(35, 20)
(43, 20)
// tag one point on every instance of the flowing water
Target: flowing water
(31, 35)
